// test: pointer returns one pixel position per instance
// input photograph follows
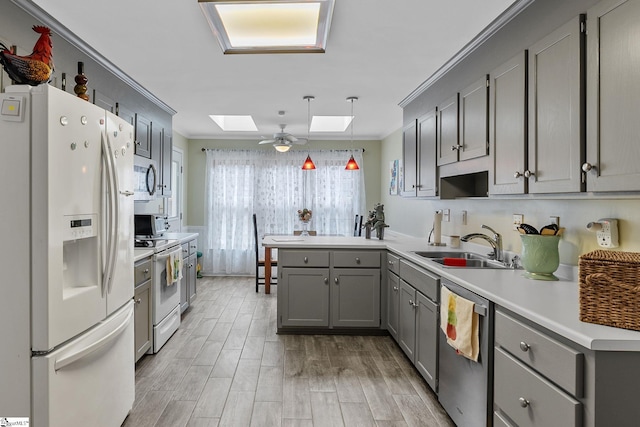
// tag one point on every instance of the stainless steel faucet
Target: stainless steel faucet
(495, 242)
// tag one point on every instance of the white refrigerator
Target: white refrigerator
(66, 260)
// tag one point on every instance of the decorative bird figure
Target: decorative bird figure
(35, 68)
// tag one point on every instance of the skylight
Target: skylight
(330, 123)
(270, 26)
(235, 123)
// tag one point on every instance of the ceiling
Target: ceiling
(377, 50)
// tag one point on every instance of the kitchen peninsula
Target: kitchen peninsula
(541, 348)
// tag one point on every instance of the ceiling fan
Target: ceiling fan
(282, 141)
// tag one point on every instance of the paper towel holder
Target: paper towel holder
(437, 217)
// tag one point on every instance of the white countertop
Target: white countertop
(553, 305)
(140, 253)
(182, 237)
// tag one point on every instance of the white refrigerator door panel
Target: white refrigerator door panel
(119, 135)
(90, 380)
(67, 296)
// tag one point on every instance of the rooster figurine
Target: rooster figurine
(35, 68)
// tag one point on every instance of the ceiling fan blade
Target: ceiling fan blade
(301, 141)
(267, 141)
(290, 138)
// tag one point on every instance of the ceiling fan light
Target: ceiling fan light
(308, 164)
(283, 148)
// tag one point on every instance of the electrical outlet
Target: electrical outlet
(446, 215)
(518, 219)
(464, 218)
(555, 220)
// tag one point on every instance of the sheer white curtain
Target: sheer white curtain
(273, 186)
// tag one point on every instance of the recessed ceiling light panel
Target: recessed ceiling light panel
(330, 123)
(270, 26)
(235, 123)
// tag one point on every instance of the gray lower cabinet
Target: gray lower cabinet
(542, 379)
(417, 311)
(303, 296)
(329, 289)
(143, 326)
(188, 283)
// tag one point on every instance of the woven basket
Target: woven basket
(610, 288)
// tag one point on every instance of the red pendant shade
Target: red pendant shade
(352, 165)
(308, 164)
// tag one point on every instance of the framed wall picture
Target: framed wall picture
(393, 177)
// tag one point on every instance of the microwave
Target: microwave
(145, 178)
(149, 225)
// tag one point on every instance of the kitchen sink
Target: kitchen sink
(473, 263)
(450, 254)
(472, 260)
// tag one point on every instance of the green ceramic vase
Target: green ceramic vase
(540, 257)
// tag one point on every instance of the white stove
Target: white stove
(166, 298)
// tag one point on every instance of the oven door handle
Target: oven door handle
(160, 257)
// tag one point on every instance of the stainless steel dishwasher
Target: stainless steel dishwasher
(466, 387)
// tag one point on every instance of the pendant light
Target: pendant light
(308, 163)
(352, 165)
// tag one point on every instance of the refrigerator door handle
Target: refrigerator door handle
(108, 270)
(83, 352)
(115, 214)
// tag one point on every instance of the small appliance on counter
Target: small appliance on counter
(150, 226)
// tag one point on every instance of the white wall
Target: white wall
(415, 216)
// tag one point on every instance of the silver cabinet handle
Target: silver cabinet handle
(524, 346)
(190, 265)
(335, 279)
(528, 174)
(523, 402)
(412, 304)
(517, 174)
(456, 147)
(357, 260)
(137, 143)
(326, 280)
(395, 289)
(391, 262)
(139, 300)
(193, 246)
(306, 260)
(146, 271)
(126, 193)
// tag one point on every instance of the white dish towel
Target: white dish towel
(174, 267)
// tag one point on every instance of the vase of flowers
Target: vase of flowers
(305, 216)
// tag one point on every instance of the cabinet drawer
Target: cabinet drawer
(499, 421)
(185, 250)
(530, 400)
(420, 279)
(393, 263)
(142, 271)
(350, 259)
(303, 258)
(558, 362)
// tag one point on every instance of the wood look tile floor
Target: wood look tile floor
(226, 366)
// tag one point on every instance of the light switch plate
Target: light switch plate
(518, 219)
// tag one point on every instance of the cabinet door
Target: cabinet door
(393, 301)
(474, 120)
(184, 287)
(407, 320)
(143, 136)
(165, 164)
(142, 319)
(426, 355)
(448, 142)
(191, 278)
(613, 96)
(409, 160)
(507, 136)
(355, 297)
(556, 137)
(427, 176)
(103, 101)
(303, 297)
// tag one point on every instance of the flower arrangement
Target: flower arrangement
(304, 214)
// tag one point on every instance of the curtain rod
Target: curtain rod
(205, 149)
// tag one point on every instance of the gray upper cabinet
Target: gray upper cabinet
(143, 136)
(409, 160)
(448, 142)
(556, 127)
(474, 120)
(427, 182)
(125, 113)
(613, 96)
(103, 101)
(507, 136)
